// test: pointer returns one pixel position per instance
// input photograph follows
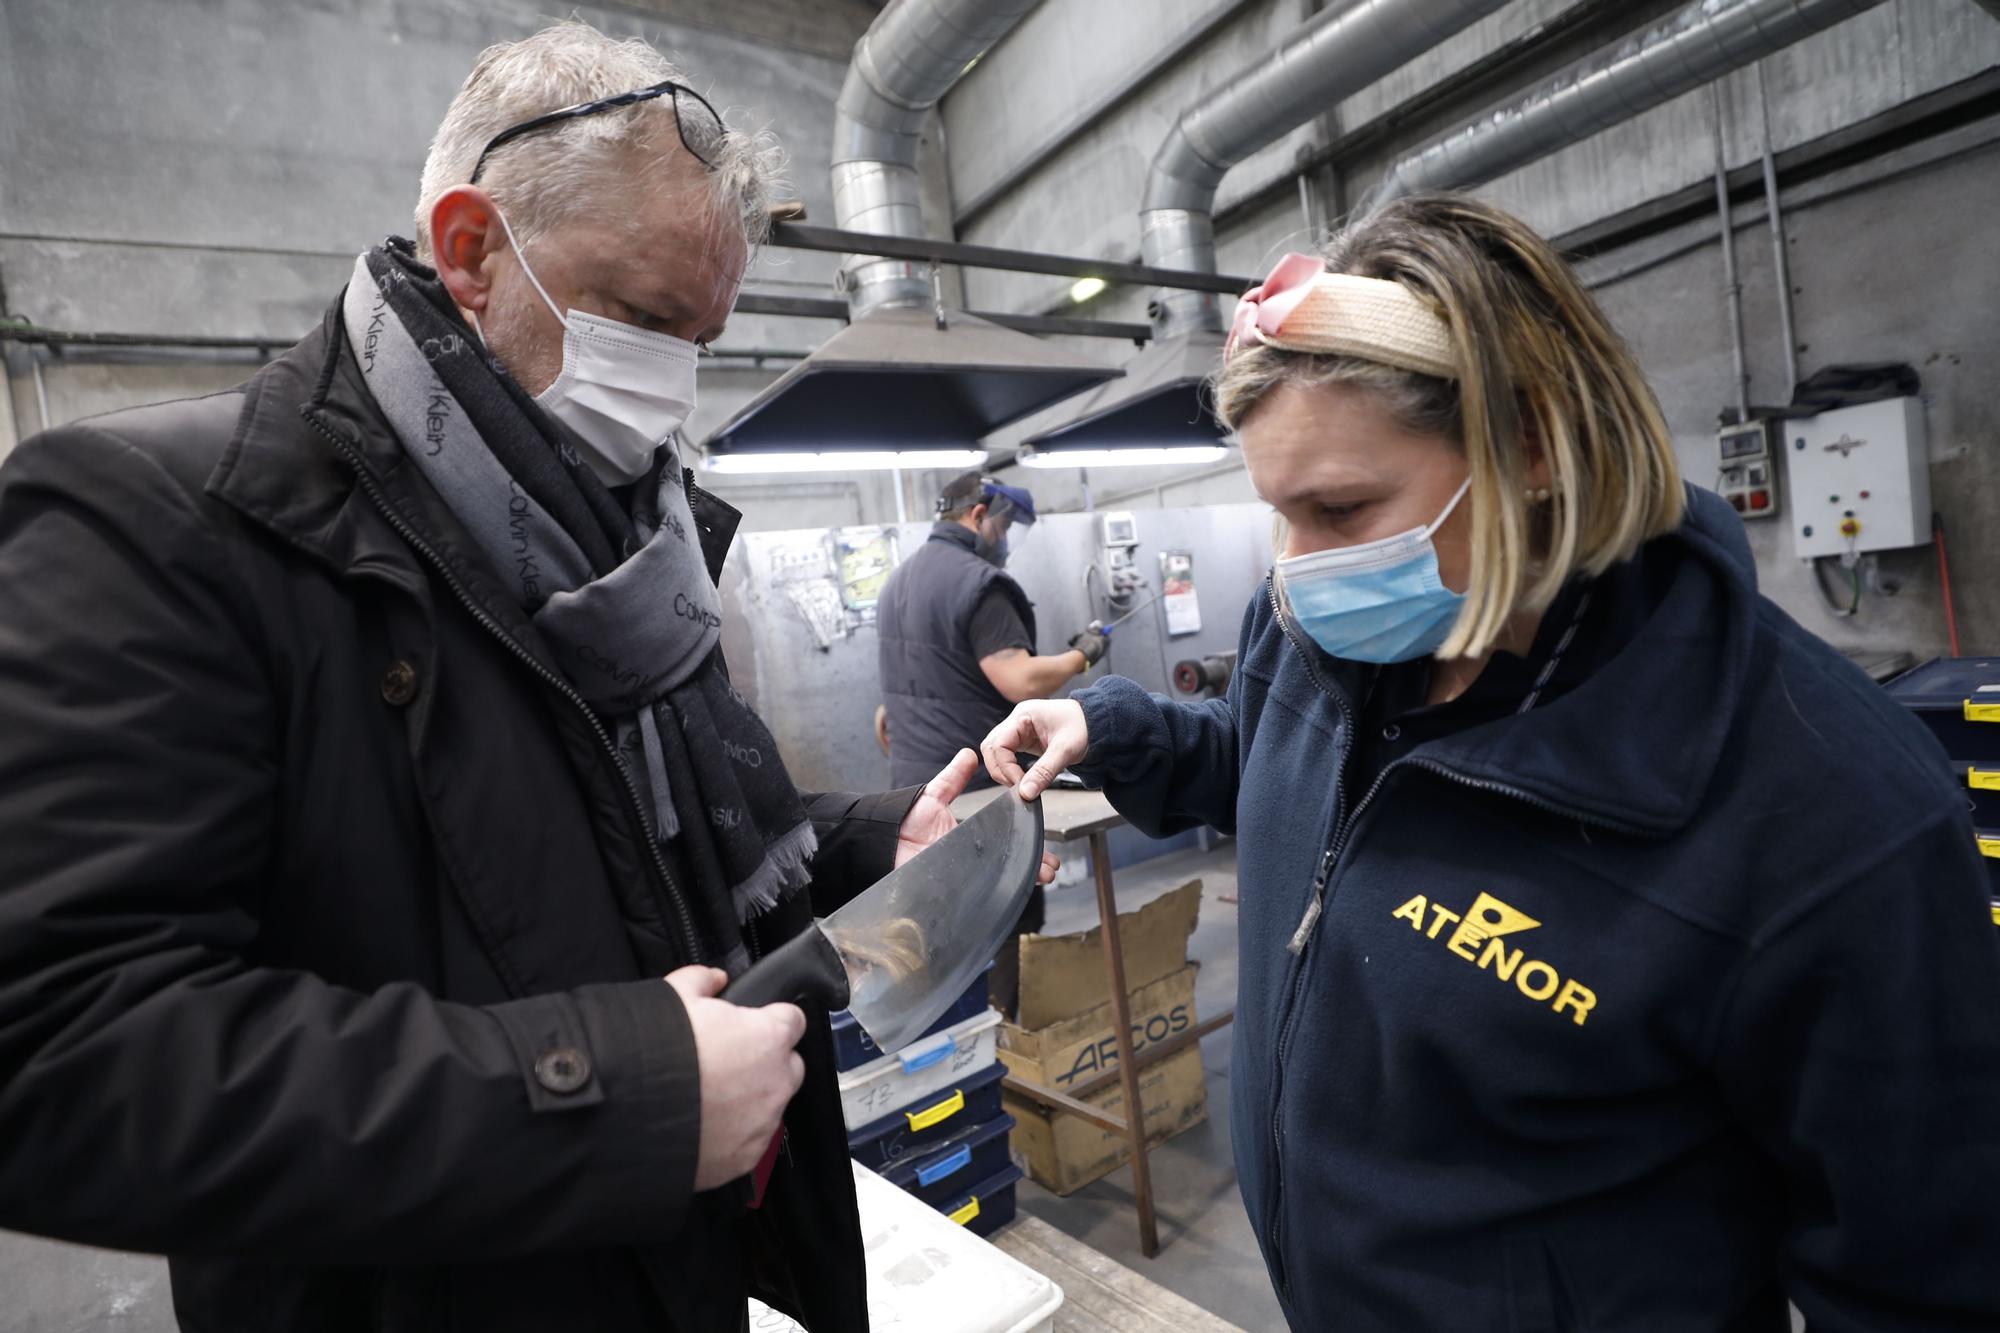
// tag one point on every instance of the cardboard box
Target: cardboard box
(1065, 1036)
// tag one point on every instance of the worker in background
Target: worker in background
(957, 647)
(958, 634)
(1615, 954)
(367, 760)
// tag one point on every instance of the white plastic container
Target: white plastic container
(871, 1091)
(927, 1274)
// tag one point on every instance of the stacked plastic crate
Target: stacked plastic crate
(1958, 698)
(928, 1117)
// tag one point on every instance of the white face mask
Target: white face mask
(623, 390)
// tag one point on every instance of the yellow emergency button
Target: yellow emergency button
(1850, 527)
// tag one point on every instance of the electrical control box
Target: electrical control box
(1118, 538)
(1860, 479)
(1745, 476)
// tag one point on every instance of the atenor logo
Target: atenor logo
(1480, 938)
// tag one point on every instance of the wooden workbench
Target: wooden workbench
(1071, 815)
(1101, 1295)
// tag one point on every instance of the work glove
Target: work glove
(1093, 644)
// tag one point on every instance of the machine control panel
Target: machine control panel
(1860, 479)
(1746, 477)
(1118, 540)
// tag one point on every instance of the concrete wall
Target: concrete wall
(1884, 256)
(211, 167)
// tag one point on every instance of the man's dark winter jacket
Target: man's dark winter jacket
(1672, 997)
(322, 902)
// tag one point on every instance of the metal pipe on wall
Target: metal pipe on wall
(1732, 288)
(1781, 266)
(41, 393)
(1336, 54)
(1701, 43)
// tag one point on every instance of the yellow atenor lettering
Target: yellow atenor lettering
(1536, 991)
(1579, 997)
(1413, 912)
(1441, 916)
(1496, 953)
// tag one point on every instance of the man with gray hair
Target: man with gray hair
(367, 758)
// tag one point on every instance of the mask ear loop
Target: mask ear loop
(1431, 531)
(528, 269)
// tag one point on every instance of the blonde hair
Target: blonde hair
(584, 165)
(1537, 361)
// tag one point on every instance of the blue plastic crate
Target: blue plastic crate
(949, 1169)
(853, 1047)
(1980, 781)
(987, 1206)
(885, 1142)
(1958, 698)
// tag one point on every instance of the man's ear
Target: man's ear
(978, 514)
(465, 233)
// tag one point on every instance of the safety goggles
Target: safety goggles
(700, 124)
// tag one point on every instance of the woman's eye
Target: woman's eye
(1335, 513)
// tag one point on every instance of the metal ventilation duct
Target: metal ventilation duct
(1161, 400)
(1336, 55)
(1703, 42)
(905, 374)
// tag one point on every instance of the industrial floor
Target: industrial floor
(1207, 1253)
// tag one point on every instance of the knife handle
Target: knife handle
(805, 969)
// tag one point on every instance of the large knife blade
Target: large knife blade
(902, 950)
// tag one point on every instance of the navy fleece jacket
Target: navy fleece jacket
(1671, 998)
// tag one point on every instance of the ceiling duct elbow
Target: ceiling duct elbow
(1698, 45)
(1162, 399)
(905, 376)
(907, 60)
(1336, 55)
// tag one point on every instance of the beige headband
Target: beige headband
(1303, 308)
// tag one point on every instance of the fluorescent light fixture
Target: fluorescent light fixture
(849, 460)
(1085, 288)
(1142, 457)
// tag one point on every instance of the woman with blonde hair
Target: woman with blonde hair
(1613, 954)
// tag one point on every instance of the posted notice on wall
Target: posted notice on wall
(1177, 592)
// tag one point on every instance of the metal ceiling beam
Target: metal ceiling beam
(802, 236)
(811, 307)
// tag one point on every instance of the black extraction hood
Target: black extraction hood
(894, 379)
(1162, 402)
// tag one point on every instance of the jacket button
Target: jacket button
(399, 683)
(563, 1070)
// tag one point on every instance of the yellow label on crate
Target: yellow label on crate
(1983, 779)
(1981, 712)
(1990, 847)
(965, 1215)
(936, 1115)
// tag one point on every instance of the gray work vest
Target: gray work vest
(939, 700)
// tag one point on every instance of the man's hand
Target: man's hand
(1093, 644)
(931, 817)
(749, 1073)
(1053, 726)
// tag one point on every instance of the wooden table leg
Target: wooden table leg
(1128, 1068)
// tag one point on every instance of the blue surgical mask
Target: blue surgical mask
(1379, 602)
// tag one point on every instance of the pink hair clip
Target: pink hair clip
(1261, 312)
